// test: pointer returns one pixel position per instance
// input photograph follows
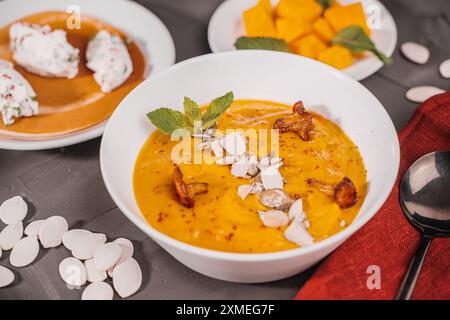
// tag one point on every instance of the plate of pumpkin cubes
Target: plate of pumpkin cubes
(357, 37)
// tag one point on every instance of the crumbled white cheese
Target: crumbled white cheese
(271, 178)
(42, 51)
(297, 233)
(296, 210)
(244, 190)
(227, 160)
(17, 97)
(240, 168)
(234, 143)
(108, 56)
(217, 148)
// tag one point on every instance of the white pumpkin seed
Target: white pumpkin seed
(24, 252)
(32, 229)
(415, 52)
(107, 256)
(273, 218)
(422, 93)
(13, 210)
(127, 278)
(101, 237)
(127, 252)
(98, 291)
(73, 272)
(73, 236)
(6, 277)
(52, 231)
(10, 235)
(275, 198)
(87, 245)
(127, 243)
(444, 68)
(92, 273)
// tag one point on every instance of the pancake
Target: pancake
(67, 106)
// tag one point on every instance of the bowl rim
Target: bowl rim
(335, 239)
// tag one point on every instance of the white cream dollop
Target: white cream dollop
(42, 51)
(17, 97)
(108, 56)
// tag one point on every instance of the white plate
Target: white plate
(128, 16)
(322, 89)
(226, 26)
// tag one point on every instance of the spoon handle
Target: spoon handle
(410, 278)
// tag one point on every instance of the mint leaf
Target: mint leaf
(192, 111)
(261, 43)
(355, 39)
(215, 110)
(325, 3)
(167, 120)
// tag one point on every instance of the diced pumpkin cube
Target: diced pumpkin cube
(299, 9)
(267, 5)
(290, 29)
(323, 30)
(258, 22)
(335, 3)
(309, 46)
(341, 17)
(336, 56)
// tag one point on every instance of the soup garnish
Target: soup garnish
(221, 192)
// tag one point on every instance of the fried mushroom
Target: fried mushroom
(187, 192)
(299, 122)
(344, 193)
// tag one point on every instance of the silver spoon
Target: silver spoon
(425, 200)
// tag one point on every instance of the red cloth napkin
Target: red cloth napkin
(388, 240)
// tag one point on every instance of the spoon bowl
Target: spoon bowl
(424, 198)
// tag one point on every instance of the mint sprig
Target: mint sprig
(261, 43)
(192, 111)
(356, 40)
(169, 120)
(325, 3)
(215, 110)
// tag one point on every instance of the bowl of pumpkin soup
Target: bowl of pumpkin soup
(249, 166)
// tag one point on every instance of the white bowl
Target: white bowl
(226, 25)
(252, 75)
(144, 27)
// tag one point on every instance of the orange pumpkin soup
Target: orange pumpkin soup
(220, 219)
(68, 105)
